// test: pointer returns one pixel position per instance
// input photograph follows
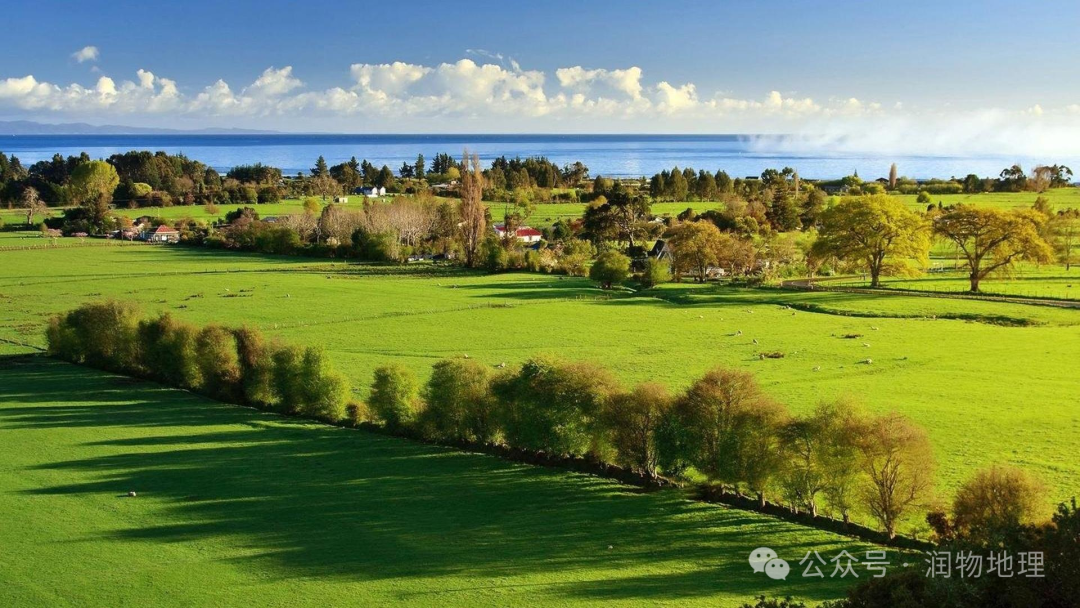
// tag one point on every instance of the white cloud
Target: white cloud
(625, 82)
(470, 95)
(87, 53)
(273, 82)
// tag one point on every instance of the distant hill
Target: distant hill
(28, 127)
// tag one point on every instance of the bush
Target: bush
(99, 334)
(611, 267)
(555, 406)
(219, 366)
(168, 351)
(459, 404)
(256, 367)
(995, 502)
(656, 272)
(323, 391)
(288, 384)
(394, 396)
(632, 420)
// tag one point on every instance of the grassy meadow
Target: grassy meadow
(236, 507)
(970, 372)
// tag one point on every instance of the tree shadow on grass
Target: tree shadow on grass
(307, 500)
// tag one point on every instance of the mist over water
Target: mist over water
(814, 157)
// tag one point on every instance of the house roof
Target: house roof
(163, 229)
(524, 231)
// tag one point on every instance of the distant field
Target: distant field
(1029, 281)
(986, 392)
(1061, 198)
(240, 508)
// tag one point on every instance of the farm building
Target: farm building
(525, 234)
(341, 199)
(162, 234)
(371, 191)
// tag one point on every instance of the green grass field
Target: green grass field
(1060, 198)
(239, 508)
(986, 389)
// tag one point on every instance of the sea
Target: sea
(607, 155)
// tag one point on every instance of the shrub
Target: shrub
(287, 379)
(219, 366)
(555, 406)
(610, 267)
(256, 367)
(996, 501)
(394, 396)
(323, 391)
(99, 334)
(459, 404)
(356, 412)
(656, 272)
(168, 351)
(632, 420)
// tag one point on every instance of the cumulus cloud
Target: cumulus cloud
(87, 53)
(470, 94)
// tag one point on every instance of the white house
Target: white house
(372, 191)
(162, 234)
(341, 199)
(524, 234)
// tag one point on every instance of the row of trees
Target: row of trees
(229, 364)
(723, 426)
(836, 459)
(882, 236)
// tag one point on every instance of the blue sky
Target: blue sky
(539, 66)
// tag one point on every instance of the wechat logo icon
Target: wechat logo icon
(764, 559)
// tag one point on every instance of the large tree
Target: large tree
(94, 181)
(473, 213)
(877, 233)
(993, 239)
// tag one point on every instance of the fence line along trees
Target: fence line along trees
(877, 233)
(992, 240)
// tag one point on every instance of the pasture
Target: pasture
(236, 507)
(991, 382)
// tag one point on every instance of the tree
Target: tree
(897, 459)
(473, 213)
(993, 240)
(418, 167)
(325, 186)
(892, 177)
(320, 168)
(94, 181)
(555, 406)
(632, 420)
(695, 248)
(1066, 233)
(218, 363)
(996, 501)
(32, 203)
(878, 233)
(610, 267)
(725, 427)
(459, 402)
(395, 396)
(822, 459)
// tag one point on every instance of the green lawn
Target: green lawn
(1027, 281)
(241, 508)
(1060, 198)
(986, 390)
